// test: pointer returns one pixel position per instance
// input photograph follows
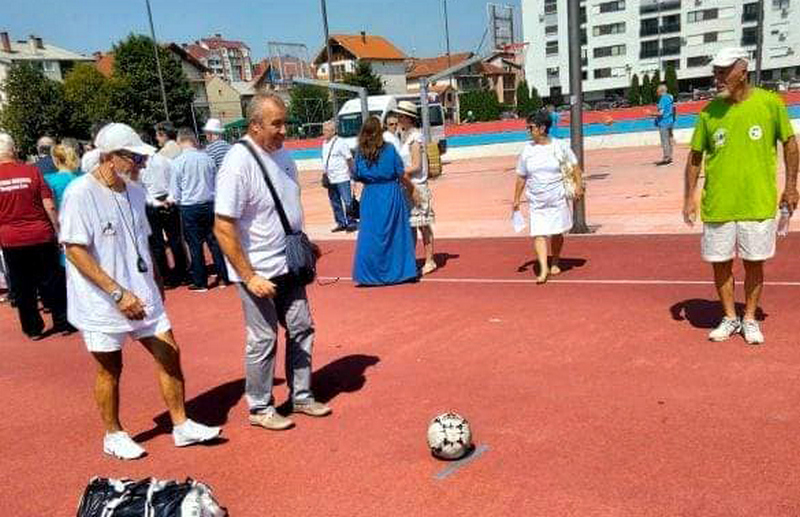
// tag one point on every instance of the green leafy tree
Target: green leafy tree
(34, 107)
(89, 98)
(136, 94)
(523, 99)
(671, 78)
(634, 92)
(365, 77)
(654, 82)
(482, 103)
(308, 105)
(536, 100)
(647, 92)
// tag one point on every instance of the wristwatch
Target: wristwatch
(116, 295)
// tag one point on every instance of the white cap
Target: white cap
(213, 125)
(121, 137)
(90, 160)
(728, 56)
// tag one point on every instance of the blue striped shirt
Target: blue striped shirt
(217, 151)
(192, 179)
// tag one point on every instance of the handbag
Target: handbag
(567, 171)
(301, 256)
(354, 210)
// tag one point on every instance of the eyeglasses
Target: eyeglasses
(137, 159)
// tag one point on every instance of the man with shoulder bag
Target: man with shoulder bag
(337, 164)
(259, 221)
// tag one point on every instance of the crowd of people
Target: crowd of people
(115, 211)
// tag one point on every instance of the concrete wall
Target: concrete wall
(223, 101)
(393, 74)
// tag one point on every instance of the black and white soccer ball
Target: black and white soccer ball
(449, 436)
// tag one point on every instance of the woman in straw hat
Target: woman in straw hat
(416, 170)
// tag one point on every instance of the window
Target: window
(750, 12)
(613, 50)
(649, 27)
(749, 36)
(552, 72)
(705, 14)
(611, 28)
(780, 4)
(611, 7)
(698, 61)
(710, 37)
(649, 49)
(551, 29)
(602, 73)
(550, 8)
(551, 48)
(670, 46)
(674, 63)
(671, 23)
(50, 66)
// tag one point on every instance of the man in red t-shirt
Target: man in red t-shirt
(28, 228)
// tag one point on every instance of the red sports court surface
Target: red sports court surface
(597, 395)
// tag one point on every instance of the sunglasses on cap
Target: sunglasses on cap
(137, 159)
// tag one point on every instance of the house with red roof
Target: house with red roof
(387, 61)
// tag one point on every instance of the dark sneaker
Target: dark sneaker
(338, 229)
(352, 228)
(313, 408)
(270, 419)
(198, 289)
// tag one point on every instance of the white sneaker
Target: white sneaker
(725, 329)
(752, 332)
(190, 433)
(120, 445)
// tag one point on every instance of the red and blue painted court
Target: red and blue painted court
(594, 395)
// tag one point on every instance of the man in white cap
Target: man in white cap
(111, 291)
(217, 147)
(737, 134)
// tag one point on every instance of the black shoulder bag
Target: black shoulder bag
(301, 257)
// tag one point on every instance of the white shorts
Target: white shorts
(113, 341)
(751, 240)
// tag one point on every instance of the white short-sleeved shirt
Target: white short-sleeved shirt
(414, 136)
(112, 229)
(391, 138)
(242, 194)
(540, 167)
(336, 167)
(155, 177)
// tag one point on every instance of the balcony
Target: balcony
(648, 53)
(670, 51)
(648, 31)
(658, 7)
(670, 28)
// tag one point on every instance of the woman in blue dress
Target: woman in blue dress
(385, 246)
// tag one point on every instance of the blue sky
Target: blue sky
(416, 26)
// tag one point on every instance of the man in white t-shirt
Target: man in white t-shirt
(111, 291)
(252, 238)
(337, 162)
(391, 127)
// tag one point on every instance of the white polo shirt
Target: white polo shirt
(336, 167)
(112, 229)
(242, 194)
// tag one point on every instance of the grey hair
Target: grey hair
(329, 123)
(7, 147)
(186, 133)
(255, 109)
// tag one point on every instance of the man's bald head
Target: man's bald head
(44, 145)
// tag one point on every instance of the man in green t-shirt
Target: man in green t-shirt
(737, 134)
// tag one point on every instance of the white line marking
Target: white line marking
(588, 281)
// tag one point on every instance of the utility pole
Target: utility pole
(158, 60)
(576, 103)
(330, 56)
(447, 42)
(759, 41)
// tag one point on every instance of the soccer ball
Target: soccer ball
(449, 436)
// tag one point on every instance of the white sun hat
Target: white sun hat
(728, 56)
(407, 108)
(213, 125)
(121, 137)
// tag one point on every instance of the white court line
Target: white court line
(588, 281)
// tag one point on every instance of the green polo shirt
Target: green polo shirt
(739, 143)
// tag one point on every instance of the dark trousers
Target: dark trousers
(37, 269)
(198, 227)
(341, 197)
(167, 221)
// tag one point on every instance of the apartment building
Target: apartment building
(620, 38)
(227, 59)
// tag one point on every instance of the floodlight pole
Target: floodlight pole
(576, 102)
(759, 41)
(158, 60)
(334, 102)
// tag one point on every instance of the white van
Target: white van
(348, 122)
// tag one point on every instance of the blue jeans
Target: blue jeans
(198, 227)
(341, 197)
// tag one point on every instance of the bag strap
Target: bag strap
(278, 204)
(330, 150)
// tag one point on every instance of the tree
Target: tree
(34, 107)
(523, 99)
(647, 93)
(308, 105)
(89, 98)
(654, 82)
(364, 76)
(634, 92)
(136, 93)
(671, 78)
(536, 101)
(482, 103)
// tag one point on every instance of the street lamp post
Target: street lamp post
(330, 55)
(447, 43)
(576, 102)
(158, 60)
(759, 41)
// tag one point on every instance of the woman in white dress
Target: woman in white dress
(422, 215)
(539, 176)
